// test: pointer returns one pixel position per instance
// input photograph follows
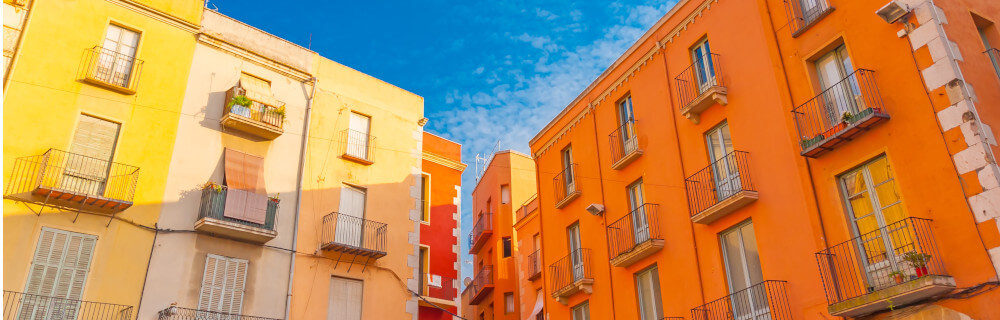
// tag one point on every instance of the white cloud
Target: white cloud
(545, 14)
(539, 42)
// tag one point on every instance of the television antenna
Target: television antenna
(482, 160)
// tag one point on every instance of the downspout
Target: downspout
(541, 231)
(600, 177)
(298, 196)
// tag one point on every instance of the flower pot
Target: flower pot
(921, 271)
(835, 129)
(899, 278)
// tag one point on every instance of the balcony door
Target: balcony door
(57, 275)
(640, 223)
(350, 221)
(117, 55)
(840, 93)
(626, 127)
(701, 55)
(739, 248)
(724, 169)
(357, 135)
(875, 207)
(569, 184)
(88, 164)
(575, 253)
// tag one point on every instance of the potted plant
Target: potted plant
(847, 117)
(274, 199)
(242, 104)
(212, 185)
(897, 276)
(918, 261)
(806, 143)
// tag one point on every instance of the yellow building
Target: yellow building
(92, 101)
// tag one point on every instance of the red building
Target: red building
(440, 189)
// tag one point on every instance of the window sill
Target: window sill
(356, 159)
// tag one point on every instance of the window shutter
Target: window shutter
(235, 169)
(239, 284)
(210, 284)
(59, 268)
(223, 284)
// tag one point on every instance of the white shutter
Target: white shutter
(345, 299)
(223, 284)
(59, 269)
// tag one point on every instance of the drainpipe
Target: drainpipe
(298, 196)
(600, 177)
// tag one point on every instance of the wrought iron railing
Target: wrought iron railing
(483, 279)
(638, 227)
(698, 78)
(994, 55)
(719, 181)
(842, 104)
(534, 264)
(178, 313)
(897, 253)
(111, 67)
(569, 269)
(75, 174)
(765, 300)
(565, 182)
(443, 288)
(349, 233)
(268, 113)
(802, 13)
(213, 206)
(483, 224)
(624, 141)
(26, 306)
(358, 145)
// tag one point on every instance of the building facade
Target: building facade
(816, 159)
(441, 189)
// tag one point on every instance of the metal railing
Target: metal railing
(624, 141)
(534, 263)
(358, 145)
(720, 180)
(267, 113)
(483, 278)
(76, 174)
(26, 306)
(354, 233)
(178, 313)
(994, 55)
(565, 182)
(843, 103)
(698, 78)
(569, 269)
(483, 224)
(802, 13)
(112, 67)
(765, 300)
(213, 206)
(446, 289)
(891, 255)
(637, 227)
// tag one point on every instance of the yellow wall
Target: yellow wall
(43, 99)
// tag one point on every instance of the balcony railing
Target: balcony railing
(264, 119)
(893, 262)
(840, 113)
(765, 300)
(111, 69)
(635, 236)
(26, 306)
(700, 86)
(565, 186)
(571, 274)
(480, 231)
(721, 187)
(178, 313)
(354, 235)
(72, 181)
(804, 13)
(624, 145)
(212, 217)
(994, 55)
(534, 269)
(481, 285)
(358, 146)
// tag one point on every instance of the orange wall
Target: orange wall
(442, 162)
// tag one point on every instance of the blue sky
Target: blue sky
(489, 71)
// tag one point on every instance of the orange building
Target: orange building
(816, 159)
(507, 183)
(528, 257)
(441, 186)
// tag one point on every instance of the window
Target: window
(701, 56)
(358, 136)
(117, 57)
(94, 139)
(581, 311)
(576, 255)
(640, 222)
(725, 170)
(505, 194)
(626, 129)
(990, 37)
(422, 272)
(742, 262)
(647, 287)
(59, 269)
(840, 90)
(506, 247)
(246, 199)
(567, 171)
(537, 241)
(350, 220)
(222, 285)
(425, 197)
(873, 203)
(345, 299)
(508, 302)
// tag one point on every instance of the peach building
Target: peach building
(818, 159)
(440, 190)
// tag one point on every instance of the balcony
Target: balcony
(624, 145)
(18, 305)
(526, 209)
(765, 300)
(254, 116)
(111, 70)
(481, 232)
(720, 188)
(572, 274)
(635, 236)
(839, 114)
(534, 268)
(73, 182)
(178, 313)
(565, 187)
(890, 266)
(701, 86)
(801, 17)
(357, 146)
(214, 219)
(438, 290)
(481, 286)
(353, 235)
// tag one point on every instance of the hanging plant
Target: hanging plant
(214, 186)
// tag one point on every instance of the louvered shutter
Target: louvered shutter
(345, 299)
(58, 269)
(223, 284)
(93, 145)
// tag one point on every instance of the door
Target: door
(875, 206)
(739, 247)
(840, 93)
(59, 270)
(575, 253)
(88, 164)
(704, 69)
(223, 286)
(350, 221)
(117, 56)
(345, 299)
(357, 136)
(725, 169)
(647, 286)
(626, 126)
(568, 180)
(640, 222)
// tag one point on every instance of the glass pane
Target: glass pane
(752, 256)
(861, 205)
(879, 170)
(734, 261)
(887, 193)
(893, 213)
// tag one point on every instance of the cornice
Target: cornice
(157, 15)
(435, 158)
